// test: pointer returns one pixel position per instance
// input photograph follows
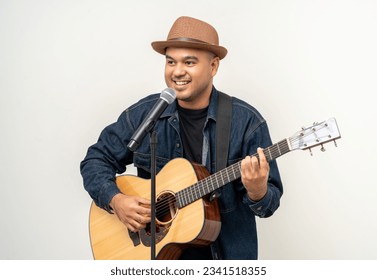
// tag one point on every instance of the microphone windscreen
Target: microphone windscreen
(168, 95)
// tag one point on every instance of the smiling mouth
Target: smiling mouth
(181, 83)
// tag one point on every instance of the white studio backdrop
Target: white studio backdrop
(68, 68)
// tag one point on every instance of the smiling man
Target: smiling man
(187, 129)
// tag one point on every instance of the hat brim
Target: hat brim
(160, 47)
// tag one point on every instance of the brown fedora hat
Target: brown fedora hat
(188, 32)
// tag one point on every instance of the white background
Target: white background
(68, 68)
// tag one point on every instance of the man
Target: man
(187, 128)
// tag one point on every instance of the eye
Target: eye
(190, 63)
(170, 62)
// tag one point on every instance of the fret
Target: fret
(227, 174)
(184, 196)
(274, 153)
(217, 182)
(200, 190)
(206, 181)
(276, 150)
(269, 151)
(191, 194)
(178, 199)
(234, 174)
(181, 199)
(188, 192)
(222, 177)
(194, 193)
(237, 172)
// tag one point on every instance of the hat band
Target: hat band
(184, 39)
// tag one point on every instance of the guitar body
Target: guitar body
(195, 224)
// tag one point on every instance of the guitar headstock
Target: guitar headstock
(316, 135)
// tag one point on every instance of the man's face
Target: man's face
(190, 73)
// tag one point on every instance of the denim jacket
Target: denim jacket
(110, 156)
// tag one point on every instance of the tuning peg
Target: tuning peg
(336, 145)
(310, 150)
(322, 148)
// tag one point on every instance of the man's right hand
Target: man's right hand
(133, 211)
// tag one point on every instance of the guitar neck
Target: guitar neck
(225, 176)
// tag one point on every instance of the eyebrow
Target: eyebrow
(185, 58)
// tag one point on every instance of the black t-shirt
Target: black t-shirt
(191, 126)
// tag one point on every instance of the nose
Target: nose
(179, 70)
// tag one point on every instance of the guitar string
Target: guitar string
(196, 191)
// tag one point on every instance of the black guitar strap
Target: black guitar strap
(223, 122)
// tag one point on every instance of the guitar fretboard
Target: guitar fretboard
(225, 176)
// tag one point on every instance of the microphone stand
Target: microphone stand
(167, 96)
(153, 143)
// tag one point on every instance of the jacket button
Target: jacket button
(178, 145)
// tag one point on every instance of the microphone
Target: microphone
(167, 97)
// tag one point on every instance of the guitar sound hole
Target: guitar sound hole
(166, 210)
(166, 207)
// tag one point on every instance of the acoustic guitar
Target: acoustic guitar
(185, 213)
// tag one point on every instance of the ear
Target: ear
(215, 63)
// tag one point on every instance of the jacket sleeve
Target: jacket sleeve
(106, 158)
(271, 201)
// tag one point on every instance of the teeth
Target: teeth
(181, 83)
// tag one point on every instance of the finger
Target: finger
(144, 201)
(254, 166)
(262, 156)
(131, 225)
(254, 163)
(142, 219)
(245, 165)
(135, 225)
(144, 211)
(263, 160)
(139, 224)
(146, 215)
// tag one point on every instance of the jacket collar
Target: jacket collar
(212, 108)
